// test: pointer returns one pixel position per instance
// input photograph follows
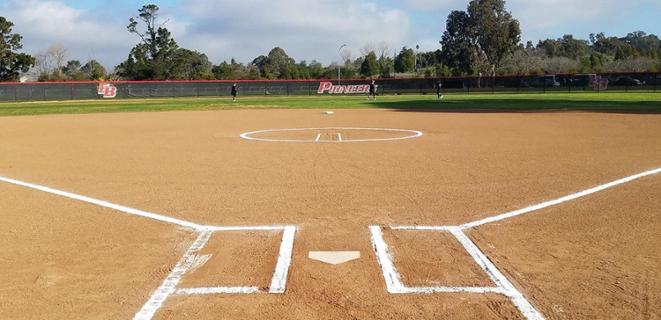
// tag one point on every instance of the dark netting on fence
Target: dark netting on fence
(634, 82)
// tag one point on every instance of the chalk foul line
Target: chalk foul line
(105, 204)
(560, 200)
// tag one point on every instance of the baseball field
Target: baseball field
(473, 207)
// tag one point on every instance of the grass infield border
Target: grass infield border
(647, 103)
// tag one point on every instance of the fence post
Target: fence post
(16, 92)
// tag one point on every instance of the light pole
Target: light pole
(415, 63)
(339, 75)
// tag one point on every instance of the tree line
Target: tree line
(484, 39)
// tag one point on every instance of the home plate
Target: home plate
(334, 257)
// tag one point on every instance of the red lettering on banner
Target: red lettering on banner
(107, 90)
(325, 87)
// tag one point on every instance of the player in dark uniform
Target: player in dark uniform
(439, 89)
(235, 91)
(372, 93)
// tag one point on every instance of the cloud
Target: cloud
(553, 18)
(222, 29)
(43, 23)
(542, 19)
(433, 5)
(305, 29)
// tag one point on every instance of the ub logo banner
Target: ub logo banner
(107, 90)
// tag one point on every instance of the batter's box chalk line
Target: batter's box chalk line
(502, 286)
(170, 284)
(278, 282)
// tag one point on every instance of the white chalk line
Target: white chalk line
(169, 287)
(172, 280)
(413, 134)
(390, 274)
(492, 271)
(429, 290)
(535, 207)
(566, 198)
(189, 259)
(279, 280)
(392, 277)
(217, 290)
(246, 228)
(141, 213)
(394, 284)
(505, 286)
(105, 204)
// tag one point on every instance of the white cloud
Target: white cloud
(427, 5)
(553, 18)
(220, 28)
(305, 29)
(43, 23)
(542, 19)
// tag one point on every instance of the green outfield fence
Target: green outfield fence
(613, 82)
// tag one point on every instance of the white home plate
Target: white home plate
(334, 257)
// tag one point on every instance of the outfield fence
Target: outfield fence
(575, 83)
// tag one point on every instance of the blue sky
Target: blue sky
(307, 29)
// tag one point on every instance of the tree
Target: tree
(370, 66)
(495, 30)
(277, 65)
(12, 63)
(151, 59)
(459, 50)
(93, 70)
(72, 71)
(51, 63)
(191, 65)
(316, 69)
(405, 60)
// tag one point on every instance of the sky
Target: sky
(306, 29)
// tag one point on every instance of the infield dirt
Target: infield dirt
(597, 257)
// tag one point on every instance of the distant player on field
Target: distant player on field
(439, 89)
(372, 93)
(235, 91)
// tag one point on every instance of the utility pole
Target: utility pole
(339, 64)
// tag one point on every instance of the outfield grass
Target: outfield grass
(597, 102)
